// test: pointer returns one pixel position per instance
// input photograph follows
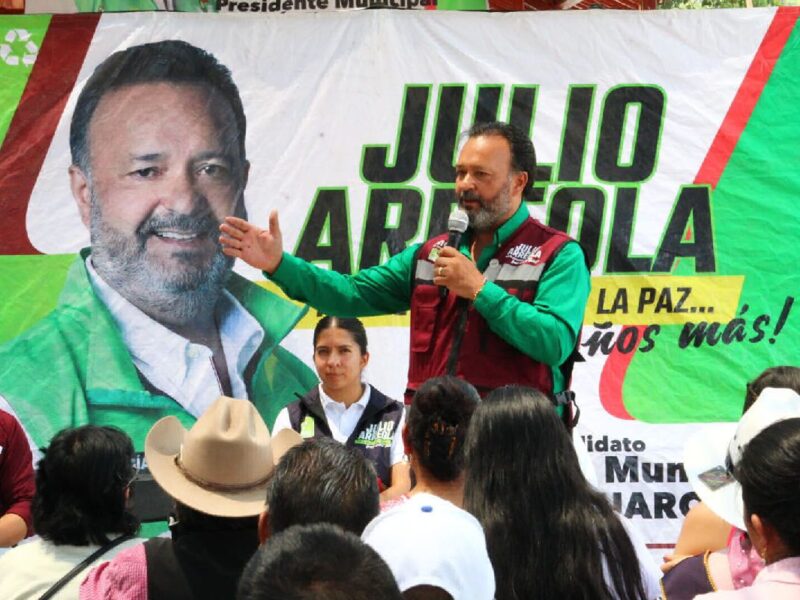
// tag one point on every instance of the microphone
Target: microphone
(457, 224)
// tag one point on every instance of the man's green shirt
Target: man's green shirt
(546, 330)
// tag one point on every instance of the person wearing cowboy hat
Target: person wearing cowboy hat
(217, 473)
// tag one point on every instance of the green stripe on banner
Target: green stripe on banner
(756, 233)
(20, 39)
(462, 5)
(29, 287)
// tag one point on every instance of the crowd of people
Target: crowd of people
(288, 514)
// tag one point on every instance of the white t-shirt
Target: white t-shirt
(30, 569)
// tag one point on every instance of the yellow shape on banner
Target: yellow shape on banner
(663, 299)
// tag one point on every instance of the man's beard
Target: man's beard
(171, 295)
(490, 213)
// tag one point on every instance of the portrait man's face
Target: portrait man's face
(164, 170)
(487, 188)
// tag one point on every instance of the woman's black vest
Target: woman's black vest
(372, 436)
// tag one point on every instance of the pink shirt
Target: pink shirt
(122, 578)
(744, 561)
(778, 581)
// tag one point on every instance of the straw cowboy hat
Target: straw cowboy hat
(711, 456)
(221, 466)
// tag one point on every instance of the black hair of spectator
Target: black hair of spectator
(523, 155)
(775, 377)
(426, 592)
(317, 562)
(81, 487)
(168, 61)
(322, 480)
(768, 473)
(547, 530)
(350, 324)
(437, 422)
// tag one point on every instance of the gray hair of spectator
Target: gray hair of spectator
(323, 481)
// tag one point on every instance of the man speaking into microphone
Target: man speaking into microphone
(505, 306)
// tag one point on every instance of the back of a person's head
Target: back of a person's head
(437, 423)
(81, 486)
(769, 473)
(514, 421)
(317, 562)
(322, 481)
(426, 592)
(546, 529)
(775, 377)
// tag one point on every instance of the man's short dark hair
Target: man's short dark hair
(323, 481)
(170, 61)
(317, 562)
(523, 156)
(81, 487)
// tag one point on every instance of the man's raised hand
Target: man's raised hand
(260, 248)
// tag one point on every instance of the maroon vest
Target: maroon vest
(479, 355)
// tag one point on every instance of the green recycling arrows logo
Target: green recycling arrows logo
(18, 48)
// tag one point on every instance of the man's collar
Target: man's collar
(173, 363)
(506, 229)
(502, 233)
(326, 400)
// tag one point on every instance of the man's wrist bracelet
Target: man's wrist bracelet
(478, 291)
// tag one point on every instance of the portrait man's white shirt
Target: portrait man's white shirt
(181, 369)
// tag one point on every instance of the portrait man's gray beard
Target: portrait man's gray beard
(174, 295)
(491, 212)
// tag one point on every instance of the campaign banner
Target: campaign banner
(667, 144)
(253, 8)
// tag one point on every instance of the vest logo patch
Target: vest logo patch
(307, 427)
(524, 253)
(378, 435)
(434, 254)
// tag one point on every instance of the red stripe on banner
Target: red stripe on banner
(612, 378)
(746, 98)
(34, 123)
(617, 363)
